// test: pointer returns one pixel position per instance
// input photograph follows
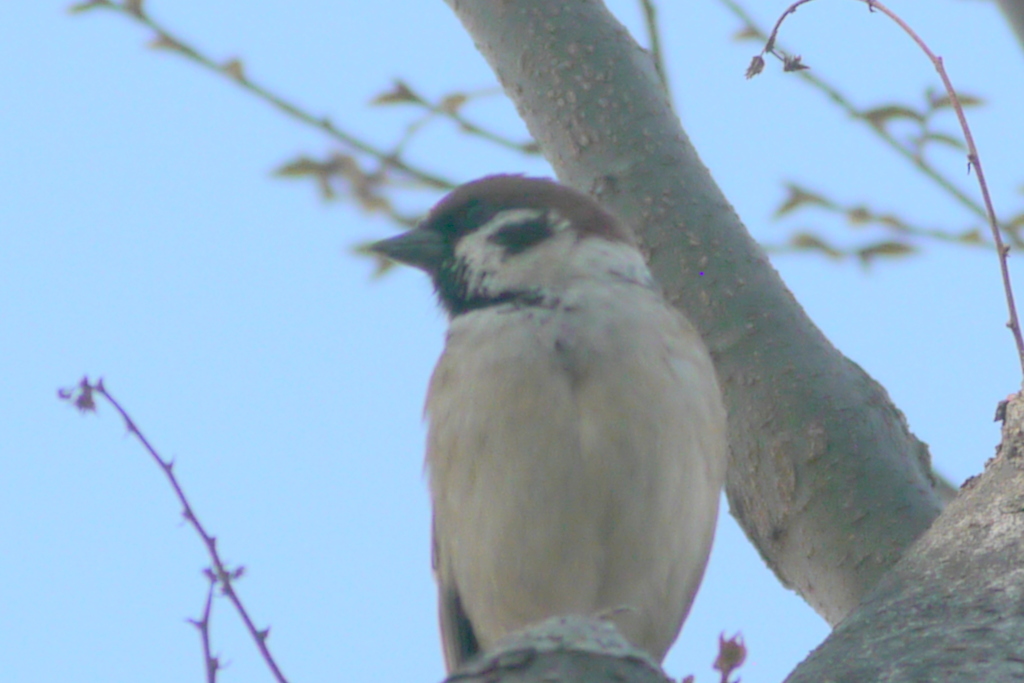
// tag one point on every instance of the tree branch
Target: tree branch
(83, 397)
(834, 95)
(973, 157)
(950, 609)
(233, 71)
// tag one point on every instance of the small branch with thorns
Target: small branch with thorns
(83, 397)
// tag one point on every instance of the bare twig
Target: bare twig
(449, 107)
(233, 71)
(203, 626)
(861, 215)
(654, 40)
(83, 397)
(973, 158)
(844, 103)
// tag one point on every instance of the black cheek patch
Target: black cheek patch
(516, 238)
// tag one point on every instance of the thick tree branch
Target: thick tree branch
(825, 476)
(951, 609)
(569, 649)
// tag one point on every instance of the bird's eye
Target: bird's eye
(519, 236)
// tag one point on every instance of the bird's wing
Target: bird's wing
(457, 636)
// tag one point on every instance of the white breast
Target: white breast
(576, 453)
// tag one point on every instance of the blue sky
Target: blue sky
(143, 239)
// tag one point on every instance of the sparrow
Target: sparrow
(576, 443)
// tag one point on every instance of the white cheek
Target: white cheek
(619, 260)
(487, 264)
(482, 259)
(551, 266)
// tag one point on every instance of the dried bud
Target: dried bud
(793, 64)
(756, 66)
(731, 655)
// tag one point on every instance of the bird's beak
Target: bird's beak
(420, 248)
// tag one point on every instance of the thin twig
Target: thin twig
(165, 39)
(445, 109)
(848, 107)
(203, 626)
(654, 40)
(799, 197)
(467, 126)
(83, 398)
(973, 158)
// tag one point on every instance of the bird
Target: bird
(576, 434)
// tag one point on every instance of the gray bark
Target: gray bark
(953, 608)
(563, 649)
(825, 476)
(1013, 10)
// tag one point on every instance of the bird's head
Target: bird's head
(508, 238)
